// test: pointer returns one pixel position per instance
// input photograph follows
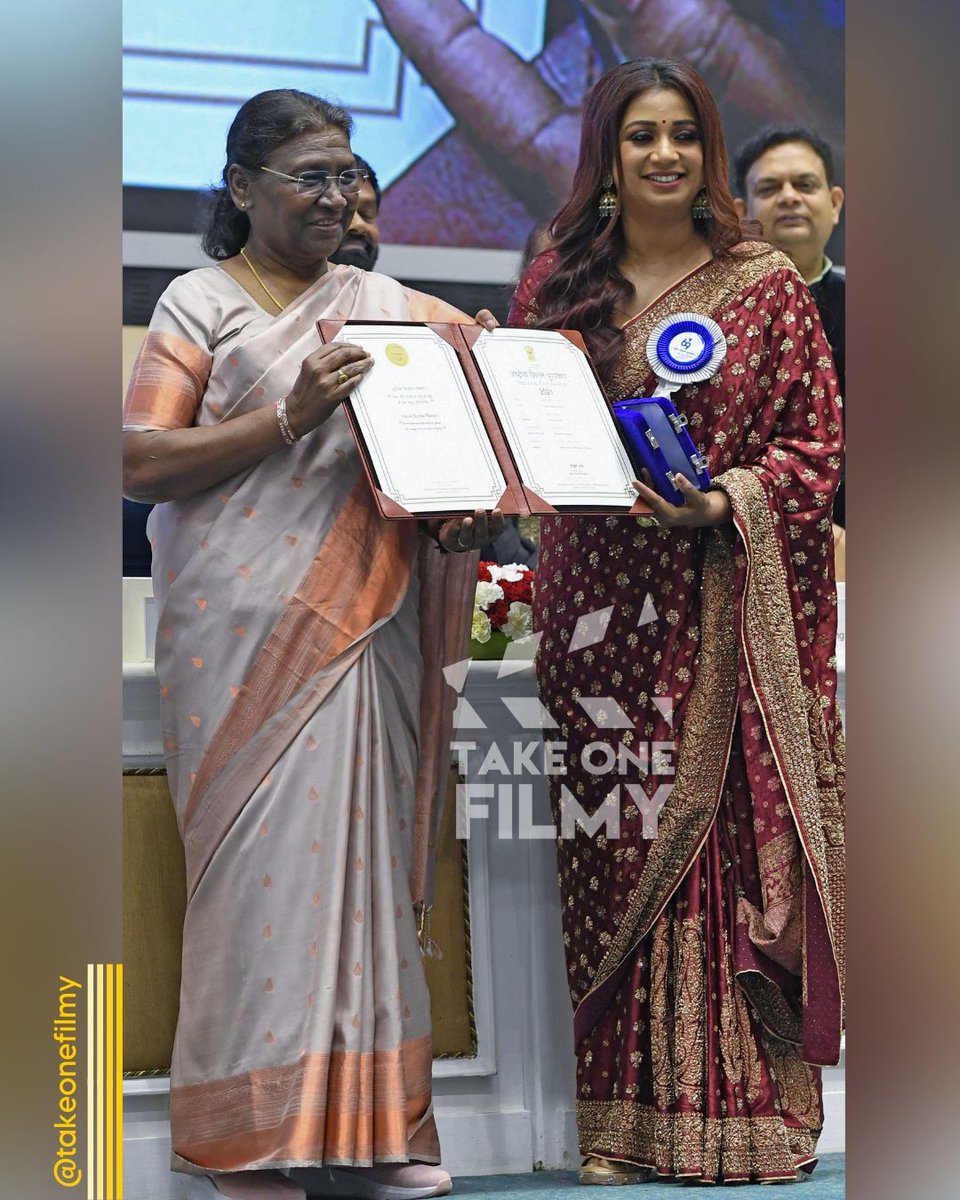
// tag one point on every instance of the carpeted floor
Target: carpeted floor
(826, 1183)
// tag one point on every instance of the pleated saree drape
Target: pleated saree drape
(300, 641)
(705, 957)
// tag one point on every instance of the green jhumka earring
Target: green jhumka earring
(701, 210)
(608, 198)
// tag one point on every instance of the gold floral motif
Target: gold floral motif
(661, 1024)
(689, 1009)
(799, 1091)
(738, 1042)
(753, 1079)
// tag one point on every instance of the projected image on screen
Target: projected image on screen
(468, 109)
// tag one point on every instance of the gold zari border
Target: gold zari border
(691, 1144)
(811, 777)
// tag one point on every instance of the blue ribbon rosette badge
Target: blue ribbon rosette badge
(684, 348)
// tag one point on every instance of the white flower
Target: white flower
(487, 594)
(519, 622)
(480, 630)
(511, 572)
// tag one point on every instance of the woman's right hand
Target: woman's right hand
(327, 376)
(175, 464)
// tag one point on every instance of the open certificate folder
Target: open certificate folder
(420, 423)
(555, 418)
(451, 418)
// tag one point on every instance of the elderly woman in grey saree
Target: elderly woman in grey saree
(300, 641)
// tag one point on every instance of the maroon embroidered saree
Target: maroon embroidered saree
(705, 962)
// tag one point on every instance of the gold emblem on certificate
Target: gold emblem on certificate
(397, 354)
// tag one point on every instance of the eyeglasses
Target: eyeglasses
(315, 183)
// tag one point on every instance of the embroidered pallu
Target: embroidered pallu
(705, 952)
(299, 647)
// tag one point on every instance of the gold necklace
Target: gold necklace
(256, 275)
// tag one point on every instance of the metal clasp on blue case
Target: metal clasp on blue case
(651, 439)
(699, 462)
(677, 420)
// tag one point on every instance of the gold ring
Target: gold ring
(342, 376)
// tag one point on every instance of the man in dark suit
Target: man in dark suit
(785, 177)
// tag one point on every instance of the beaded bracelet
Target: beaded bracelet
(287, 433)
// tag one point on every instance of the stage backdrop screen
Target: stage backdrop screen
(474, 139)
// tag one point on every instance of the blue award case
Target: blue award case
(656, 437)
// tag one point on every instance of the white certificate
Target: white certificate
(424, 434)
(558, 423)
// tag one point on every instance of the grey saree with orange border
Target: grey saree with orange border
(300, 641)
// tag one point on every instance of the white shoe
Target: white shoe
(242, 1185)
(394, 1181)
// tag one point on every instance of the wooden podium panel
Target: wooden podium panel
(450, 978)
(154, 902)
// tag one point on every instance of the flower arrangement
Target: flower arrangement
(502, 608)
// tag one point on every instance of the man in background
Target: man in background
(359, 248)
(785, 177)
(361, 243)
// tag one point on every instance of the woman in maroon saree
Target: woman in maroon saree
(705, 955)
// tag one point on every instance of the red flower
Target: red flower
(519, 590)
(498, 613)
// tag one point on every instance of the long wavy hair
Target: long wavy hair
(263, 123)
(585, 285)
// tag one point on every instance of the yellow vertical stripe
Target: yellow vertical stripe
(104, 1056)
(119, 1081)
(98, 1148)
(90, 1092)
(109, 1041)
